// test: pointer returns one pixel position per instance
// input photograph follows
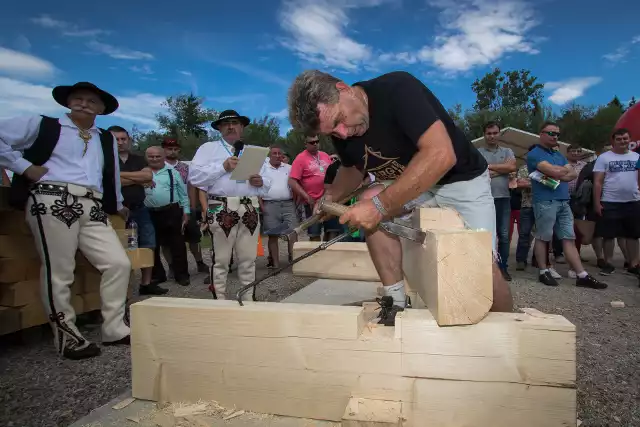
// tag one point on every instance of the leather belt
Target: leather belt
(243, 200)
(62, 188)
(165, 207)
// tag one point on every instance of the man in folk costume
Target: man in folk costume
(233, 205)
(67, 179)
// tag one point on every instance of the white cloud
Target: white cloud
(186, 73)
(145, 69)
(21, 64)
(118, 52)
(282, 114)
(248, 98)
(479, 32)
(47, 21)
(18, 97)
(635, 40)
(259, 73)
(617, 55)
(568, 90)
(67, 28)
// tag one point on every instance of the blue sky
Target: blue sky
(243, 55)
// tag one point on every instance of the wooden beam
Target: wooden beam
(372, 413)
(308, 361)
(343, 260)
(452, 270)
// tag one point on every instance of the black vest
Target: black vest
(40, 152)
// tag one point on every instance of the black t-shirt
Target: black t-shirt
(331, 172)
(401, 109)
(133, 195)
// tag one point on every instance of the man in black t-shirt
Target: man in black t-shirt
(394, 127)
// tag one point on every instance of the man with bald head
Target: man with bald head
(168, 204)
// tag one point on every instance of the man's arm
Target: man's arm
(571, 175)
(507, 167)
(553, 171)
(346, 181)
(435, 157)
(5, 178)
(206, 167)
(141, 177)
(181, 190)
(16, 135)
(598, 182)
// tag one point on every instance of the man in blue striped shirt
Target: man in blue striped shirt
(168, 204)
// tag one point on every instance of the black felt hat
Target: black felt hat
(230, 114)
(61, 95)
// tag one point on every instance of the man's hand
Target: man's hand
(124, 213)
(33, 173)
(230, 164)
(150, 184)
(185, 220)
(597, 207)
(363, 214)
(493, 174)
(255, 181)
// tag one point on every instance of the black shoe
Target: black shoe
(207, 280)
(634, 270)
(269, 262)
(521, 266)
(607, 270)
(202, 267)
(122, 341)
(171, 275)
(506, 275)
(92, 350)
(152, 289)
(626, 265)
(601, 263)
(590, 282)
(184, 282)
(547, 279)
(388, 311)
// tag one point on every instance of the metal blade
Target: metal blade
(403, 231)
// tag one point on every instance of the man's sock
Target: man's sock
(582, 274)
(543, 270)
(396, 292)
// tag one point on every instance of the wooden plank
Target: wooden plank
(452, 273)
(140, 258)
(117, 222)
(307, 360)
(372, 413)
(12, 223)
(21, 293)
(34, 314)
(4, 198)
(9, 320)
(16, 270)
(18, 246)
(343, 260)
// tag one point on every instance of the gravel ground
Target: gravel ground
(39, 389)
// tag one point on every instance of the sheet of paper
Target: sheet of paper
(250, 162)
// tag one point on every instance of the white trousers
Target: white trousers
(236, 220)
(60, 226)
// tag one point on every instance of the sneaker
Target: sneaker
(202, 267)
(607, 270)
(91, 350)
(152, 289)
(521, 266)
(122, 341)
(547, 279)
(590, 282)
(560, 260)
(601, 263)
(506, 275)
(555, 274)
(572, 274)
(269, 262)
(184, 282)
(626, 265)
(634, 270)
(388, 311)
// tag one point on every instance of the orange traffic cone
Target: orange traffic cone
(260, 248)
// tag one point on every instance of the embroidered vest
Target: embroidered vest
(40, 152)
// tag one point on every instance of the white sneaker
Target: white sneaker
(555, 274)
(572, 274)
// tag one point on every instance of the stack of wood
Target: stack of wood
(21, 304)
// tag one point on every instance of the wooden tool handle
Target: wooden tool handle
(331, 208)
(314, 219)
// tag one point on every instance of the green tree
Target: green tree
(294, 143)
(263, 131)
(513, 90)
(186, 115)
(632, 102)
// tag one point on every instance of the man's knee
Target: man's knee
(120, 263)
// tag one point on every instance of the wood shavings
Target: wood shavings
(134, 419)
(123, 404)
(235, 414)
(617, 304)
(197, 409)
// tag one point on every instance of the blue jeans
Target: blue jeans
(524, 234)
(503, 218)
(146, 231)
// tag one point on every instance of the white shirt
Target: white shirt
(620, 176)
(66, 164)
(206, 171)
(279, 178)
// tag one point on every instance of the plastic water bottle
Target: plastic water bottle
(132, 235)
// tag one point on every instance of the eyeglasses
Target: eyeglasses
(552, 134)
(313, 142)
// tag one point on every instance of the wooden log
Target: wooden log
(372, 413)
(343, 260)
(452, 271)
(308, 361)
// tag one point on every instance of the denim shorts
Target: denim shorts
(146, 232)
(553, 217)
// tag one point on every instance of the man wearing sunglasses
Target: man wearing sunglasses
(551, 206)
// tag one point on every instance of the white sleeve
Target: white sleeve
(601, 164)
(205, 169)
(16, 135)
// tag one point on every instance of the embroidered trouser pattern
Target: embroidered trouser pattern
(62, 224)
(235, 225)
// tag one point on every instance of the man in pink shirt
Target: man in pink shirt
(306, 179)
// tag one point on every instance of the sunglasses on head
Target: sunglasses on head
(552, 133)
(313, 142)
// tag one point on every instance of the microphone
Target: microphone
(237, 147)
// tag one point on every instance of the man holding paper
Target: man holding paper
(233, 197)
